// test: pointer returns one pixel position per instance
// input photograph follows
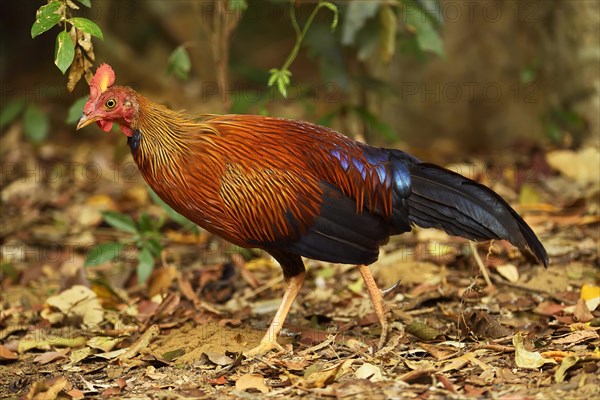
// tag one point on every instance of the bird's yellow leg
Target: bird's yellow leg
(378, 303)
(269, 341)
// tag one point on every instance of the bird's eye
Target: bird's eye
(110, 103)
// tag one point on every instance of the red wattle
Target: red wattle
(126, 130)
(106, 126)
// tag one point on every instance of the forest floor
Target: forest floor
(70, 331)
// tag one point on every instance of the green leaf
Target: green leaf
(87, 26)
(357, 14)
(145, 265)
(11, 111)
(86, 3)
(145, 223)
(238, 5)
(102, 253)
(120, 221)
(153, 246)
(46, 17)
(427, 37)
(64, 51)
(76, 110)
(179, 63)
(281, 77)
(35, 124)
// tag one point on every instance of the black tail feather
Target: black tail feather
(446, 200)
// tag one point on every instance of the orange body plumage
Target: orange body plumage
(296, 189)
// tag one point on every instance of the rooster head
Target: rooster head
(109, 104)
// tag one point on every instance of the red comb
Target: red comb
(102, 80)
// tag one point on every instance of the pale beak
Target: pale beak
(85, 121)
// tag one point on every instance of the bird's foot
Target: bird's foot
(266, 345)
(385, 325)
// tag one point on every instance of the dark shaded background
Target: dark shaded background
(514, 73)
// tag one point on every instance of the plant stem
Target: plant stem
(299, 34)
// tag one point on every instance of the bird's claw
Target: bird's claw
(264, 347)
(386, 291)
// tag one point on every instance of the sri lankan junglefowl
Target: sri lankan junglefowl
(296, 189)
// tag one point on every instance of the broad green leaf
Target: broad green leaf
(87, 26)
(120, 221)
(86, 3)
(76, 110)
(179, 63)
(357, 14)
(11, 111)
(64, 51)
(145, 265)
(102, 253)
(427, 37)
(46, 17)
(35, 124)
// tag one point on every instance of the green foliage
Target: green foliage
(76, 110)
(57, 13)
(64, 51)
(179, 63)
(356, 16)
(281, 76)
(87, 26)
(35, 124)
(103, 252)
(238, 5)
(559, 121)
(144, 234)
(11, 111)
(421, 23)
(371, 31)
(46, 17)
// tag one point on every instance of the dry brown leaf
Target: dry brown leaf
(78, 302)
(566, 363)
(152, 373)
(326, 376)
(581, 312)
(577, 337)
(6, 354)
(104, 343)
(50, 356)
(508, 272)
(370, 372)
(48, 389)
(161, 279)
(141, 343)
(251, 381)
(456, 363)
(439, 352)
(581, 166)
(528, 359)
